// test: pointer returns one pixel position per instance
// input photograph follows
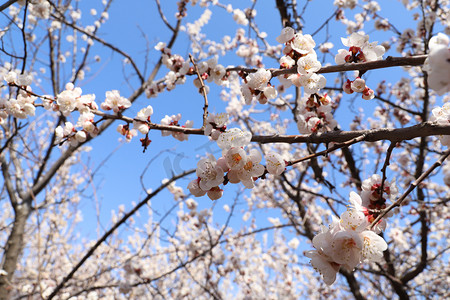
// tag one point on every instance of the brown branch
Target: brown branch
(385, 165)
(163, 17)
(372, 135)
(328, 150)
(284, 15)
(362, 66)
(351, 164)
(7, 4)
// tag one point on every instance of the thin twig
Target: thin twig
(163, 17)
(202, 90)
(385, 165)
(331, 149)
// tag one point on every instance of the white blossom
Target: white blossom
(275, 164)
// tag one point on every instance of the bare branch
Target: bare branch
(7, 4)
(163, 17)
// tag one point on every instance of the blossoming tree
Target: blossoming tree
(327, 175)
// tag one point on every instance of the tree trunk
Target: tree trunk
(13, 249)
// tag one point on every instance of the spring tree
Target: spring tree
(322, 173)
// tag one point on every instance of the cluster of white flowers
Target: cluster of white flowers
(373, 200)
(66, 102)
(360, 50)
(240, 17)
(314, 114)
(347, 242)
(22, 80)
(299, 51)
(437, 64)
(71, 99)
(238, 165)
(115, 102)
(209, 70)
(247, 48)
(358, 85)
(40, 9)
(257, 84)
(173, 121)
(441, 115)
(345, 3)
(142, 121)
(196, 27)
(70, 134)
(215, 125)
(178, 69)
(23, 106)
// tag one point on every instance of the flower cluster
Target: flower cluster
(66, 102)
(209, 70)
(314, 114)
(373, 195)
(359, 85)
(173, 121)
(258, 85)
(360, 50)
(215, 125)
(115, 102)
(178, 69)
(437, 64)
(22, 106)
(72, 99)
(347, 242)
(441, 115)
(142, 121)
(69, 134)
(238, 165)
(299, 52)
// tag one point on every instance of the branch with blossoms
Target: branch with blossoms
(389, 62)
(64, 102)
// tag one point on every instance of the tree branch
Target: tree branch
(362, 66)
(7, 4)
